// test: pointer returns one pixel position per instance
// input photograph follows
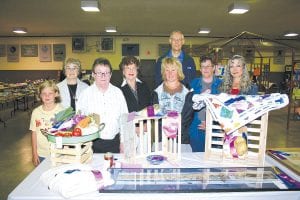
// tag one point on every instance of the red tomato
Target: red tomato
(76, 132)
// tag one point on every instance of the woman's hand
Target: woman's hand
(202, 126)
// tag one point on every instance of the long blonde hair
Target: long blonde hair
(245, 82)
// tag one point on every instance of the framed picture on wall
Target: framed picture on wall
(29, 50)
(106, 44)
(59, 52)
(13, 51)
(78, 44)
(45, 53)
(2, 50)
(130, 49)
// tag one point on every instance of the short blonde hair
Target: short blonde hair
(51, 84)
(174, 62)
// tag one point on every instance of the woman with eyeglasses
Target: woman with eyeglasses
(71, 87)
(108, 102)
(236, 79)
(207, 83)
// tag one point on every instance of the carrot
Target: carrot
(84, 122)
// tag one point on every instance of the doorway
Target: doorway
(147, 72)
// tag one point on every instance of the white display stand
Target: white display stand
(257, 138)
(147, 142)
(71, 153)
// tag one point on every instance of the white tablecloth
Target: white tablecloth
(31, 188)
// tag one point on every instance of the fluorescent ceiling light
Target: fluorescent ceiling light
(20, 30)
(238, 8)
(291, 34)
(204, 31)
(90, 5)
(111, 29)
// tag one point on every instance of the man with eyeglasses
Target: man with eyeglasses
(108, 101)
(206, 83)
(176, 41)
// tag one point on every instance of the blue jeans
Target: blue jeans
(197, 141)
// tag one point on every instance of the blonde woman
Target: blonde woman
(236, 78)
(171, 93)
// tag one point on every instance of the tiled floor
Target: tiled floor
(15, 145)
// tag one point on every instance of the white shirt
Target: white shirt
(110, 105)
(65, 94)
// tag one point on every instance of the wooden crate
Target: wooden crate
(148, 143)
(257, 137)
(71, 153)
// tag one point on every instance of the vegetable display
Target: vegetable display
(67, 123)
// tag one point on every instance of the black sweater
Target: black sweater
(143, 93)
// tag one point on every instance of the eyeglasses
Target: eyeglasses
(176, 39)
(71, 68)
(206, 67)
(131, 68)
(102, 74)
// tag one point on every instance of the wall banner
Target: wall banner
(45, 53)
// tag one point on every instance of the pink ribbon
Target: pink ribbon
(230, 140)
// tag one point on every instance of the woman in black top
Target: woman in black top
(136, 92)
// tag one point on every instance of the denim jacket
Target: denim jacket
(169, 102)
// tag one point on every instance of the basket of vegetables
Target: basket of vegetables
(75, 127)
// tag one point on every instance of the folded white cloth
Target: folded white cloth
(75, 179)
(235, 111)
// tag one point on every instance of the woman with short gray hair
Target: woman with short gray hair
(71, 87)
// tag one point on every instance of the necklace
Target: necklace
(72, 90)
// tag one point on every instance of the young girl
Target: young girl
(41, 117)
